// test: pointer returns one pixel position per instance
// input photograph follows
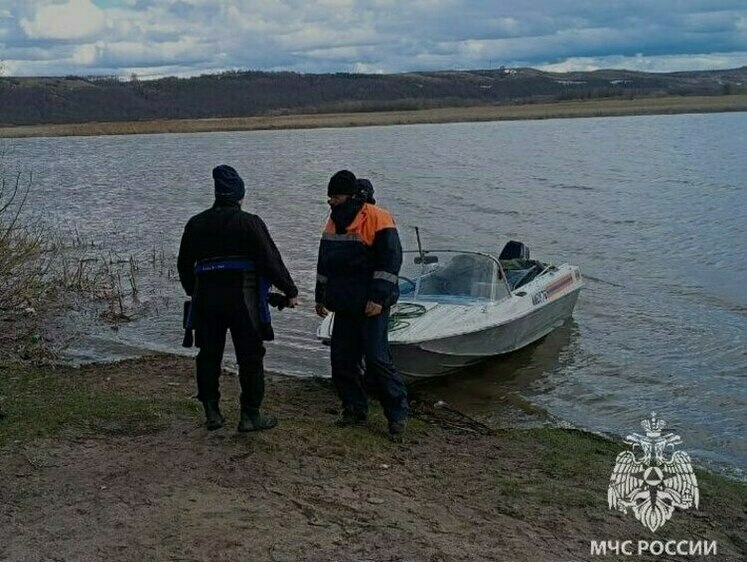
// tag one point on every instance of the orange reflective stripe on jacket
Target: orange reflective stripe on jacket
(369, 220)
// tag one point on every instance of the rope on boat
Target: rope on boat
(404, 312)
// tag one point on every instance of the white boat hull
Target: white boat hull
(445, 356)
(448, 335)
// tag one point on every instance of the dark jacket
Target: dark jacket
(361, 264)
(226, 231)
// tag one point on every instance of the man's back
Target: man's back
(226, 260)
(224, 231)
(219, 231)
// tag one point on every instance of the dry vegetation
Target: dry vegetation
(555, 110)
(45, 268)
(23, 263)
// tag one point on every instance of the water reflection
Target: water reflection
(495, 390)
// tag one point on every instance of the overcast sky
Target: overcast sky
(187, 37)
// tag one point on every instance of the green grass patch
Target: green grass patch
(563, 466)
(570, 453)
(321, 435)
(564, 453)
(572, 468)
(43, 403)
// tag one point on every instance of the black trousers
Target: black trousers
(210, 337)
(356, 336)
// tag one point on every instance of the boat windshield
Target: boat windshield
(451, 277)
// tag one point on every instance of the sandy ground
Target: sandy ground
(107, 485)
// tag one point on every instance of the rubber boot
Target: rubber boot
(350, 418)
(213, 418)
(254, 421)
(397, 430)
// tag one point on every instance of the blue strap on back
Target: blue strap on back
(228, 264)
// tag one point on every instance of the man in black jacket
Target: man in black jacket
(227, 261)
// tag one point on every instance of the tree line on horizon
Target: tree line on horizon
(78, 99)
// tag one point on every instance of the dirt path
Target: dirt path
(139, 479)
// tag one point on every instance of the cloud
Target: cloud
(73, 19)
(194, 36)
(662, 63)
(128, 53)
(84, 55)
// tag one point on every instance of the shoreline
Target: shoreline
(126, 441)
(515, 412)
(611, 107)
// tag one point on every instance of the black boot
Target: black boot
(397, 430)
(350, 418)
(213, 418)
(254, 421)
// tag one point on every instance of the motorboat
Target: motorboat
(458, 308)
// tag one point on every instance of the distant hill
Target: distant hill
(75, 99)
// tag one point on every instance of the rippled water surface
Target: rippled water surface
(653, 210)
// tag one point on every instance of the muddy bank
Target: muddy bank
(555, 110)
(110, 462)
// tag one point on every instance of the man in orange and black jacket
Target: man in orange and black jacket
(359, 260)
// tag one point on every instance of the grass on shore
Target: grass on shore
(103, 400)
(530, 485)
(97, 401)
(565, 109)
(39, 403)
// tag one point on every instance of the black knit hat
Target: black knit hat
(228, 183)
(342, 183)
(366, 190)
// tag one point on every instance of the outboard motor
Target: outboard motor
(514, 250)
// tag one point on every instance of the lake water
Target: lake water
(653, 210)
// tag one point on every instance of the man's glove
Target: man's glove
(276, 300)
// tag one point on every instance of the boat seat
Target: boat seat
(521, 271)
(514, 250)
(457, 278)
(518, 277)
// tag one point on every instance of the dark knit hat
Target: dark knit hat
(342, 183)
(228, 183)
(366, 190)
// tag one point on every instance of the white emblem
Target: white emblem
(652, 485)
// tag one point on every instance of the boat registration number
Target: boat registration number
(539, 297)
